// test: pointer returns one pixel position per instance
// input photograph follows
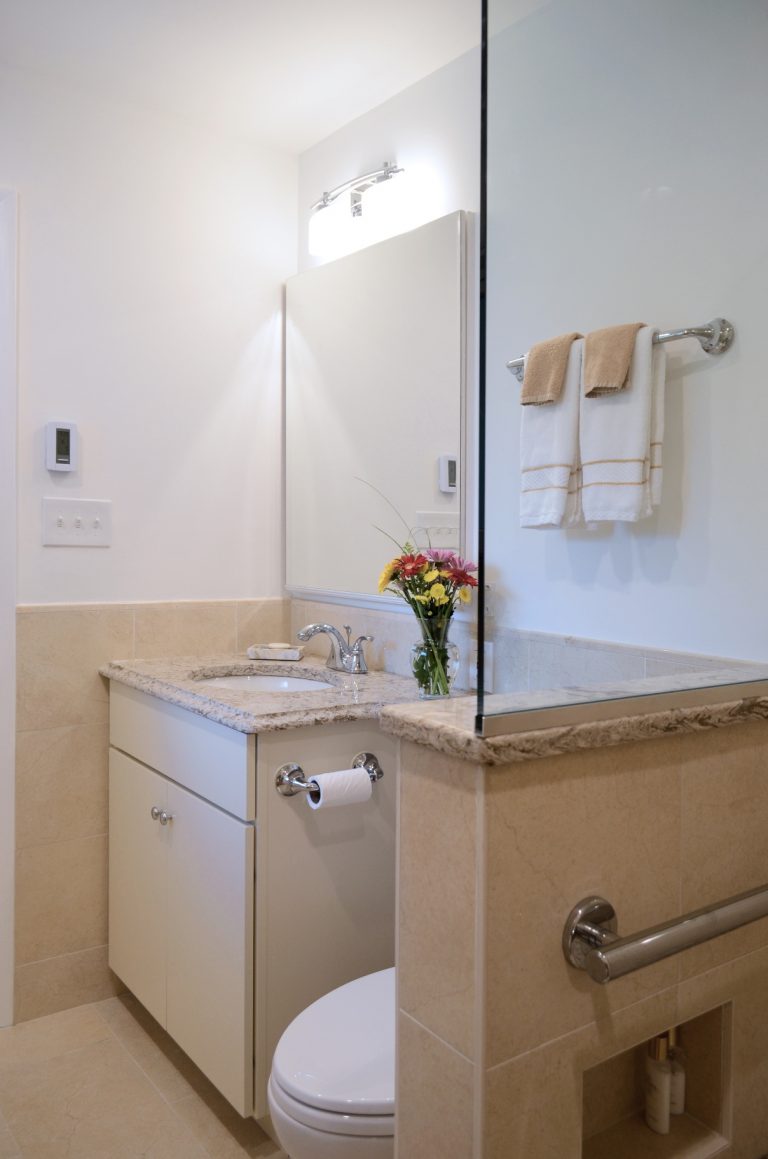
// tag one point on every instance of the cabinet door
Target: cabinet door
(137, 875)
(210, 942)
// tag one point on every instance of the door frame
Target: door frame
(8, 551)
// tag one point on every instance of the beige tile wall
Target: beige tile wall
(527, 661)
(61, 773)
(657, 827)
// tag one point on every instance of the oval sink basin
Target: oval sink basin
(262, 682)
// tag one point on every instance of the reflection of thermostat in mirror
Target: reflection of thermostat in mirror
(437, 529)
(447, 471)
(61, 446)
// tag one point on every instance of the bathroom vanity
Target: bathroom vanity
(231, 906)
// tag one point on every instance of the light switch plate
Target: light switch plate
(77, 523)
(438, 529)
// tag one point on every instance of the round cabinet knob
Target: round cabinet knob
(165, 817)
(154, 813)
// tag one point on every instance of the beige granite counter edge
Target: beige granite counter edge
(455, 741)
(240, 718)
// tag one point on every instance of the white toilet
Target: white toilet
(332, 1087)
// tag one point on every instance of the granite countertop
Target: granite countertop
(704, 700)
(693, 701)
(178, 681)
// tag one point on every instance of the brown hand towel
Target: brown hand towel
(545, 370)
(607, 356)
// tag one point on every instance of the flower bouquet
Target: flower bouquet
(433, 583)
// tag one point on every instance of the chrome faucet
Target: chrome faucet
(344, 656)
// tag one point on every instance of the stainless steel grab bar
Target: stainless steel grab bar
(590, 941)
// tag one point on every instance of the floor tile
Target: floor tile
(49, 1037)
(213, 1122)
(222, 1132)
(9, 1148)
(91, 1103)
(164, 1063)
(105, 1081)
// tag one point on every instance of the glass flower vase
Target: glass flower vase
(434, 658)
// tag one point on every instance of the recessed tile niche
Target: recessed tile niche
(612, 1107)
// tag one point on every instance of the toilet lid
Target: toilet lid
(339, 1053)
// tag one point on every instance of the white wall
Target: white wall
(151, 260)
(7, 591)
(431, 129)
(628, 179)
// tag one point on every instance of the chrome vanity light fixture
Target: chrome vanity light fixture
(356, 188)
(339, 223)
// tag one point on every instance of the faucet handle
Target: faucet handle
(348, 629)
(361, 640)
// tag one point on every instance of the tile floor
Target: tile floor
(106, 1082)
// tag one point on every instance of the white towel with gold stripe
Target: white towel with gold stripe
(621, 438)
(549, 454)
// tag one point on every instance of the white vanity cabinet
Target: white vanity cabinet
(243, 907)
(181, 887)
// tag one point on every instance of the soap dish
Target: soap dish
(274, 652)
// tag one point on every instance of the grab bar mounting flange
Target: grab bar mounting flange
(591, 923)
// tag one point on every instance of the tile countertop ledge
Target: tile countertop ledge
(177, 680)
(448, 726)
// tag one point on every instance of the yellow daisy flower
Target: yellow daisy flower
(438, 594)
(386, 575)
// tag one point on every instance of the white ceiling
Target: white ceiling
(287, 72)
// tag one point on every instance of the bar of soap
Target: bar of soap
(274, 652)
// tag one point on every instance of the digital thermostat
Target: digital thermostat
(61, 446)
(447, 472)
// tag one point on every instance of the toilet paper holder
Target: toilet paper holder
(290, 779)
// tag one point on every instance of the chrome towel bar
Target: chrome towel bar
(590, 941)
(715, 337)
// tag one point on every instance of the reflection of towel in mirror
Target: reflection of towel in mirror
(549, 454)
(620, 440)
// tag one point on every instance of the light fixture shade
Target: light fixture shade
(327, 230)
(387, 209)
(407, 200)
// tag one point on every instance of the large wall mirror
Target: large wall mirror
(375, 394)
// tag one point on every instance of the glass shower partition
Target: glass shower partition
(623, 185)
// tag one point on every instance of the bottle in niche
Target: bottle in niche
(677, 1064)
(658, 1085)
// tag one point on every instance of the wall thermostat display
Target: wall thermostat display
(61, 447)
(447, 472)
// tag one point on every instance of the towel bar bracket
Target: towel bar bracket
(714, 338)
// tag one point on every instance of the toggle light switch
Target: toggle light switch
(77, 523)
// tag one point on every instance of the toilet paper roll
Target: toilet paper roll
(346, 787)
